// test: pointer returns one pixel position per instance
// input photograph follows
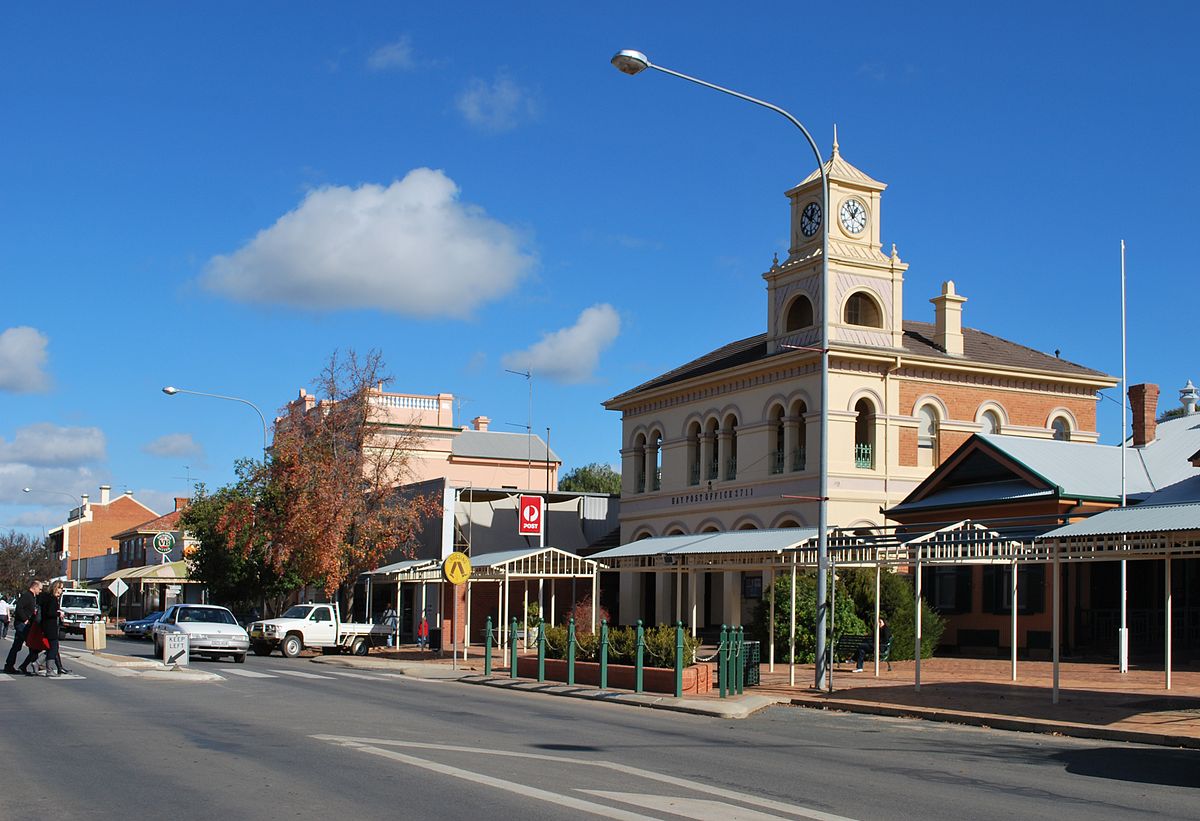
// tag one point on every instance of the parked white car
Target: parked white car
(318, 626)
(212, 631)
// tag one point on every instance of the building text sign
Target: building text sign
(530, 512)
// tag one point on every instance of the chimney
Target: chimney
(129, 493)
(1188, 398)
(104, 490)
(480, 423)
(1143, 401)
(947, 311)
(181, 502)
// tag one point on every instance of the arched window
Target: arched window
(779, 437)
(655, 446)
(862, 310)
(927, 433)
(1061, 428)
(800, 449)
(799, 314)
(731, 457)
(693, 440)
(864, 434)
(639, 453)
(711, 438)
(990, 421)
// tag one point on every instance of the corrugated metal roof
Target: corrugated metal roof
(496, 444)
(1168, 457)
(1079, 468)
(1139, 519)
(734, 541)
(977, 493)
(404, 566)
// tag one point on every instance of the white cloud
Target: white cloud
(570, 355)
(173, 444)
(398, 55)
(46, 445)
(497, 106)
(22, 358)
(411, 248)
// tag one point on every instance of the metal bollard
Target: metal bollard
(604, 654)
(740, 674)
(571, 650)
(487, 648)
(512, 643)
(722, 660)
(541, 650)
(641, 649)
(679, 659)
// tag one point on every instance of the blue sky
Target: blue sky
(219, 195)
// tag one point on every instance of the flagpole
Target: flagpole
(1123, 632)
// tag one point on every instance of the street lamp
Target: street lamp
(634, 62)
(66, 528)
(170, 390)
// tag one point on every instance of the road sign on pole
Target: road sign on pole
(456, 569)
(175, 649)
(118, 588)
(531, 510)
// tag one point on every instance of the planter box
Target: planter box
(697, 679)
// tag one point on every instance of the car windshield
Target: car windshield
(208, 615)
(79, 600)
(155, 616)
(300, 611)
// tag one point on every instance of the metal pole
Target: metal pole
(525, 616)
(679, 592)
(1167, 620)
(1055, 627)
(792, 629)
(595, 594)
(917, 625)
(695, 608)
(467, 632)
(771, 633)
(823, 474)
(1123, 630)
(878, 573)
(171, 391)
(1013, 625)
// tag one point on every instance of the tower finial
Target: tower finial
(835, 142)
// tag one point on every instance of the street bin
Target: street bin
(95, 636)
(751, 659)
(435, 639)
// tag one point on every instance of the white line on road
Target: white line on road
(698, 809)
(237, 671)
(301, 674)
(697, 786)
(354, 675)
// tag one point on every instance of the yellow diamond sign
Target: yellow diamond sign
(456, 569)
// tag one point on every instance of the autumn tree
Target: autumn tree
(23, 559)
(328, 508)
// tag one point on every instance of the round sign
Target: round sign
(456, 569)
(164, 542)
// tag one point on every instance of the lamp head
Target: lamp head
(170, 391)
(27, 490)
(630, 62)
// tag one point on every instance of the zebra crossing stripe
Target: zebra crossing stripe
(354, 675)
(245, 673)
(301, 674)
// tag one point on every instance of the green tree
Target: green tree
(23, 559)
(593, 478)
(845, 619)
(896, 604)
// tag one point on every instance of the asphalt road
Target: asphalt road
(280, 738)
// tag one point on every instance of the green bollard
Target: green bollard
(603, 654)
(512, 642)
(571, 650)
(541, 650)
(641, 648)
(487, 651)
(722, 677)
(679, 659)
(741, 662)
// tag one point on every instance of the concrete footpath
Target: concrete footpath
(1096, 701)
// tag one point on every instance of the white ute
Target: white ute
(313, 625)
(79, 608)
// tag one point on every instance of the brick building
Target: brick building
(88, 532)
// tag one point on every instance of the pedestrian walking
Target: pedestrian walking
(49, 602)
(23, 616)
(5, 617)
(423, 634)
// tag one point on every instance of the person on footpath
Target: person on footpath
(24, 613)
(423, 634)
(868, 646)
(50, 604)
(5, 616)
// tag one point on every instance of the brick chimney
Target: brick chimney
(181, 502)
(480, 423)
(104, 491)
(1143, 401)
(947, 311)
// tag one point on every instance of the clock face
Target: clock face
(810, 219)
(853, 215)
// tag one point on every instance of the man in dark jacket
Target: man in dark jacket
(24, 616)
(868, 646)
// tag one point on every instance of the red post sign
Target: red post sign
(530, 512)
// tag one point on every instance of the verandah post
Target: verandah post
(641, 648)
(679, 659)
(512, 647)
(541, 642)
(571, 650)
(722, 660)
(604, 654)
(487, 649)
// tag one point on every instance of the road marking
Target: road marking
(696, 786)
(699, 809)
(500, 784)
(301, 674)
(245, 673)
(354, 675)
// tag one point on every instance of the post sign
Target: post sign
(175, 648)
(164, 543)
(118, 588)
(456, 569)
(530, 512)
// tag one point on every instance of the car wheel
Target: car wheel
(360, 647)
(240, 658)
(261, 649)
(157, 649)
(292, 646)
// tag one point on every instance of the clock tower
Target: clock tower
(866, 285)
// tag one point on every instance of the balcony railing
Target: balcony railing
(799, 458)
(731, 468)
(863, 458)
(777, 462)
(640, 483)
(694, 474)
(656, 482)
(714, 470)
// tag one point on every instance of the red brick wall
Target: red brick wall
(120, 514)
(908, 447)
(1028, 408)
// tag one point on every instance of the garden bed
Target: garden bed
(697, 678)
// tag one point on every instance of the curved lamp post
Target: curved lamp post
(170, 390)
(634, 62)
(66, 530)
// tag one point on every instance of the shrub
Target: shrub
(582, 613)
(845, 619)
(896, 596)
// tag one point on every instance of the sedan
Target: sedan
(212, 631)
(140, 628)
